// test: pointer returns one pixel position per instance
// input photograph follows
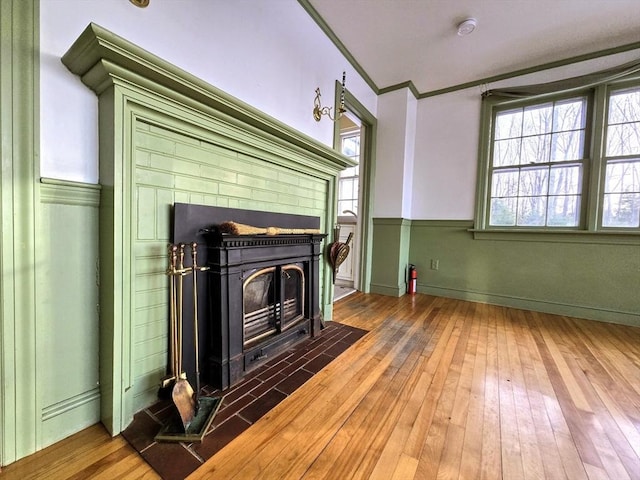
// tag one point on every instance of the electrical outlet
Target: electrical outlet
(435, 264)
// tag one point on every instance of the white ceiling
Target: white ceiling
(396, 41)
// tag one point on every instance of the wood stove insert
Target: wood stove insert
(264, 298)
(261, 292)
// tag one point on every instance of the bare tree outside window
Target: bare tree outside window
(538, 164)
(621, 203)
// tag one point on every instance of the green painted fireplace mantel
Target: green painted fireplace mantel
(165, 137)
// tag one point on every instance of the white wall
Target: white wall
(269, 54)
(394, 154)
(409, 153)
(444, 174)
(446, 151)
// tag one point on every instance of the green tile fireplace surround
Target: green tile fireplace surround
(166, 137)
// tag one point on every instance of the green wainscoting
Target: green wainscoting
(391, 237)
(595, 277)
(67, 320)
(167, 136)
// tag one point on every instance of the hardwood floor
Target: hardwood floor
(439, 388)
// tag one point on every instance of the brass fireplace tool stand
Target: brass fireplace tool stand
(195, 413)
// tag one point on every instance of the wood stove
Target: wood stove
(264, 297)
(261, 293)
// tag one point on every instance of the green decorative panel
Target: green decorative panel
(565, 274)
(391, 238)
(67, 322)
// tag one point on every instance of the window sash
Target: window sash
(532, 199)
(620, 193)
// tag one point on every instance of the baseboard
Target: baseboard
(389, 290)
(70, 416)
(578, 311)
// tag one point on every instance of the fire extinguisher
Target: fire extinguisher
(412, 286)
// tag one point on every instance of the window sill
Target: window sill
(558, 236)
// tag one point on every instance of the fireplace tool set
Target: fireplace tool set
(196, 413)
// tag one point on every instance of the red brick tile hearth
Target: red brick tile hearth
(243, 404)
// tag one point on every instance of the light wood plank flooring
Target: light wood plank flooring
(439, 388)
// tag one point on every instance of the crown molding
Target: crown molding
(313, 13)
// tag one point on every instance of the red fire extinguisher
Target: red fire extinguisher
(412, 286)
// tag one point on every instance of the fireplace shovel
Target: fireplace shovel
(182, 393)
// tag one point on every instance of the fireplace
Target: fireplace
(260, 294)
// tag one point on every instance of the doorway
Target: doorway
(355, 135)
(350, 136)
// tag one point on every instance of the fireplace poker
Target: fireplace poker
(196, 269)
(172, 255)
(182, 393)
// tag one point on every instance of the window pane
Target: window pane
(623, 139)
(346, 188)
(623, 177)
(624, 106)
(351, 146)
(569, 115)
(348, 183)
(535, 149)
(526, 144)
(532, 211)
(621, 210)
(344, 205)
(349, 172)
(565, 180)
(563, 211)
(537, 119)
(506, 152)
(567, 146)
(503, 212)
(533, 182)
(505, 183)
(508, 124)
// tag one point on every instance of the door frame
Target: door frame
(367, 175)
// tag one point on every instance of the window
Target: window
(348, 183)
(621, 205)
(537, 164)
(561, 161)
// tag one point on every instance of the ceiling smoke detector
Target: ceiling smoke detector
(466, 27)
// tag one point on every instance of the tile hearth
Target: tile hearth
(243, 405)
